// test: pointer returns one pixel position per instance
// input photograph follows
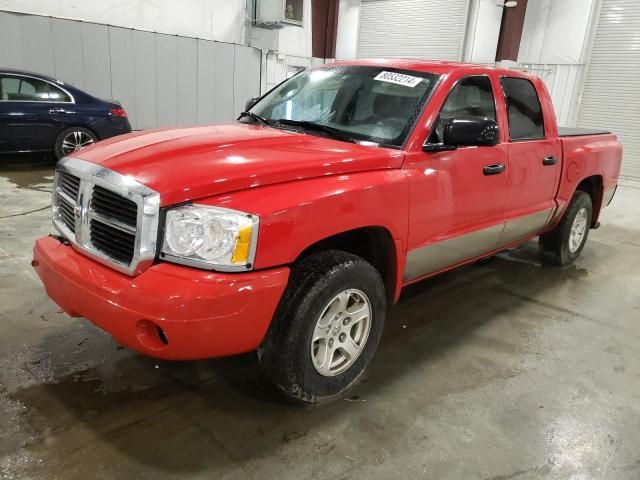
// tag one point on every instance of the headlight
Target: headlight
(210, 237)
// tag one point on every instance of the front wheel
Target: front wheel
(563, 245)
(73, 139)
(327, 327)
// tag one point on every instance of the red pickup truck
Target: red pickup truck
(291, 230)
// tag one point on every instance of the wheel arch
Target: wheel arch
(594, 187)
(375, 244)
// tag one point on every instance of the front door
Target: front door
(457, 197)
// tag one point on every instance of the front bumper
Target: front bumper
(169, 311)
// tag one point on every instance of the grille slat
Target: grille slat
(113, 242)
(113, 205)
(69, 184)
(107, 239)
(66, 212)
(109, 233)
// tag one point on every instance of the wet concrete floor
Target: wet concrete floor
(506, 369)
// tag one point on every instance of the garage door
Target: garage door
(431, 29)
(611, 97)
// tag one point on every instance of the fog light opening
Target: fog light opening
(151, 336)
(162, 336)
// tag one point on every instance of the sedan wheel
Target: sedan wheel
(75, 140)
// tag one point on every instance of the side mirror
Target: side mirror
(250, 103)
(470, 132)
(466, 132)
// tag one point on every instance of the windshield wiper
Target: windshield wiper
(257, 118)
(305, 124)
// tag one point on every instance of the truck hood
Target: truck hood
(186, 164)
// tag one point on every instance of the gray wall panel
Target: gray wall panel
(206, 83)
(67, 51)
(246, 76)
(187, 80)
(166, 89)
(122, 70)
(144, 52)
(96, 60)
(10, 40)
(37, 44)
(223, 79)
(161, 80)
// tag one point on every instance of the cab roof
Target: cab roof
(429, 66)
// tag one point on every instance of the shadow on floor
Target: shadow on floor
(227, 405)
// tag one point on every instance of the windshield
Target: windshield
(367, 104)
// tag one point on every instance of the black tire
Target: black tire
(58, 148)
(285, 354)
(554, 246)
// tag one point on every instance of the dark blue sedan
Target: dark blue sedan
(41, 114)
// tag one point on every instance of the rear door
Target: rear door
(535, 155)
(33, 112)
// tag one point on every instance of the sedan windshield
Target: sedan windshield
(363, 104)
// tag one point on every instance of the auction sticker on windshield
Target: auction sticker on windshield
(398, 78)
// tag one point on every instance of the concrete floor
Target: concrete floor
(506, 369)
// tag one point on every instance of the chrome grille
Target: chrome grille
(105, 215)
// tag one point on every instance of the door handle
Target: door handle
(494, 169)
(57, 110)
(551, 160)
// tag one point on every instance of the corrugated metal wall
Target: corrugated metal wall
(161, 80)
(611, 95)
(413, 28)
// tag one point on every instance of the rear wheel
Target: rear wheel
(563, 245)
(327, 327)
(73, 139)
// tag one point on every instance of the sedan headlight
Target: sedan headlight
(210, 237)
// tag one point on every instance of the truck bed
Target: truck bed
(579, 132)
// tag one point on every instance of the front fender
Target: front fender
(295, 215)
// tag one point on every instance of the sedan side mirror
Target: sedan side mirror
(250, 103)
(466, 132)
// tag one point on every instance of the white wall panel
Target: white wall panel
(206, 82)
(95, 60)
(166, 88)
(221, 20)
(161, 80)
(483, 30)
(67, 48)
(555, 31)
(611, 95)
(123, 86)
(37, 44)
(347, 36)
(10, 38)
(223, 78)
(246, 76)
(187, 80)
(144, 53)
(412, 28)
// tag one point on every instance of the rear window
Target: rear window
(523, 108)
(27, 89)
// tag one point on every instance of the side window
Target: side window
(523, 108)
(471, 97)
(30, 89)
